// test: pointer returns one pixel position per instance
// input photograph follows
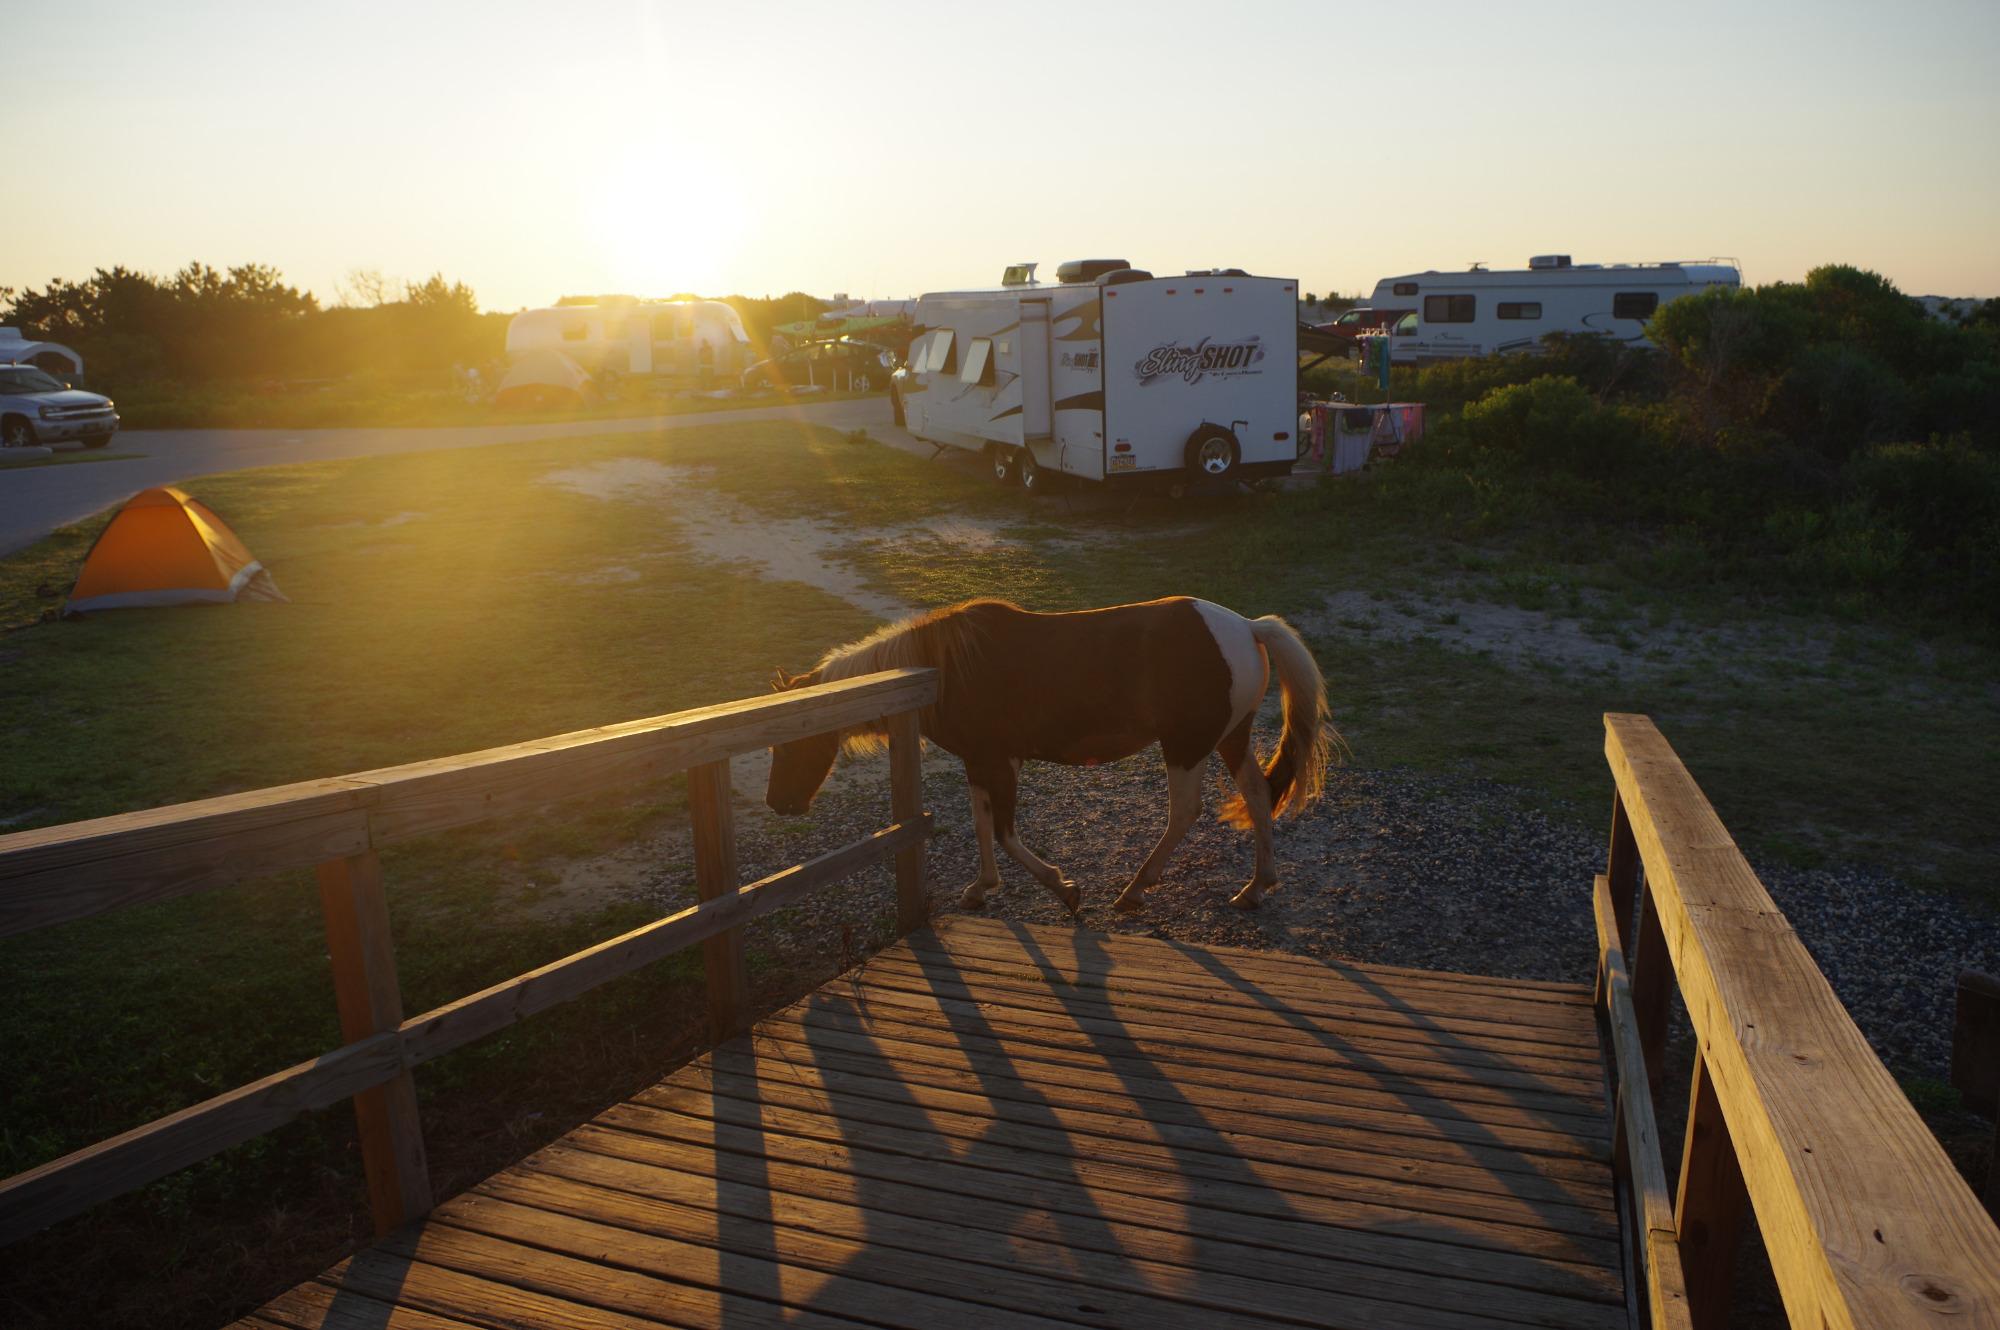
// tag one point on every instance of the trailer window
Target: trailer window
(941, 361)
(1449, 309)
(914, 357)
(978, 362)
(1405, 288)
(1634, 304)
(1516, 309)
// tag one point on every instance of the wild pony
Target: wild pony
(1087, 687)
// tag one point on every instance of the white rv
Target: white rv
(1482, 313)
(696, 340)
(1110, 374)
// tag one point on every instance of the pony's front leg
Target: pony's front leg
(1183, 807)
(1005, 782)
(989, 871)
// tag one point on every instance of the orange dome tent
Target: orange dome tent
(164, 548)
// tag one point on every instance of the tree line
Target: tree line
(246, 325)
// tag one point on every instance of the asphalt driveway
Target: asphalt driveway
(36, 500)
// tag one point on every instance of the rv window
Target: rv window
(1520, 310)
(978, 362)
(942, 361)
(575, 332)
(1449, 309)
(1634, 304)
(1405, 288)
(914, 357)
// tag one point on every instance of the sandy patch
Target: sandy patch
(631, 478)
(780, 549)
(377, 524)
(1516, 636)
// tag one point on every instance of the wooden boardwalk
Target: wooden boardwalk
(998, 1125)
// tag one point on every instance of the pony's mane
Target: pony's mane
(946, 639)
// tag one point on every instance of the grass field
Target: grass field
(447, 602)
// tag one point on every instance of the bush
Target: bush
(1551, 426)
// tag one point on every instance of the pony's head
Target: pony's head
(800, 767)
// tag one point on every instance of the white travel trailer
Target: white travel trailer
(1482, 313)
(1110, 374)
(699, 341)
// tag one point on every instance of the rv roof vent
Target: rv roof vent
(1088, 270)
(1542, 262)
(1216, 272)
(1120, 276)
(1018, 274)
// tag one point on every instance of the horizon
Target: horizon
(865, 155)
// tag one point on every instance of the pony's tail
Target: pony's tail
(1296, 773)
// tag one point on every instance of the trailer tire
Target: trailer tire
(1035, 479)
(1002, 461)
(896, 406)
(1212, 453)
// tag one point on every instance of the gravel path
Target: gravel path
(1393, 867)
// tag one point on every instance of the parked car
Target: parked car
(36, 407)
(853, 366)
(1357, 323)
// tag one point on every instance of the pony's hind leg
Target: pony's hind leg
(989, 871)
(1183, 807)
(1005, 783)
(1254, 790)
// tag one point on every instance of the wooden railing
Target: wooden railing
(1866, 1222)
(56, 874)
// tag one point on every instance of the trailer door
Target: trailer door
(1035, 416)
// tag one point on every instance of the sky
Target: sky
(533, 150)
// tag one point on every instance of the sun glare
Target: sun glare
(663, 224)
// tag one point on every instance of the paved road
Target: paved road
(36, 500)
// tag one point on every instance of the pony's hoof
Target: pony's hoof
(1250, 897)
(1068, 893)
(1129, 901)
(974, 896)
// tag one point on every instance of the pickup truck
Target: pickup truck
(1352, 326)
(36, 407)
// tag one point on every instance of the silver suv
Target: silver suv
(36, 407)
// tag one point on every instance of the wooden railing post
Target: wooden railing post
(1621, 869)
(1645, 944)
(906, 805)
(715, 877)
(371, 1002)
(1709, 1206)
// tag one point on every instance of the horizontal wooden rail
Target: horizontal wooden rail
(52, 875)
(57, 874)
(1653, 1238)
(63, 1187)
(1866, 1221)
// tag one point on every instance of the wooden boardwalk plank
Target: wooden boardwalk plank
(1571, 1079)
(705, 1170)
(1332, 1081)
(1279, 1189)
(1018, 1268)
(993, 1124)
(1303, 989)
(1250, 1125)
(1439, 1037)
(1260, 1106)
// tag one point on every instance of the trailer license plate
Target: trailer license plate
(1124, 462)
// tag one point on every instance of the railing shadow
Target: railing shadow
(1432, 1109)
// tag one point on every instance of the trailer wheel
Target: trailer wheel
(1212, 453)
(1034, 479)
(1002, 461)
(896, 406)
